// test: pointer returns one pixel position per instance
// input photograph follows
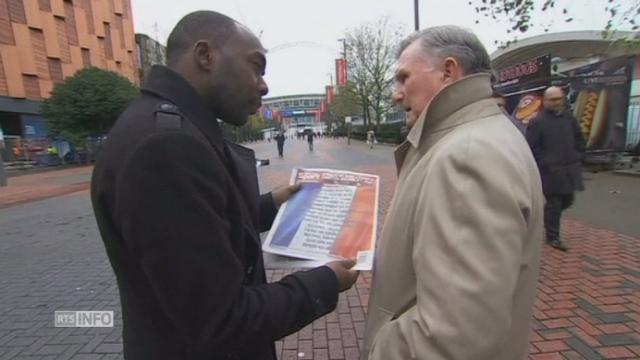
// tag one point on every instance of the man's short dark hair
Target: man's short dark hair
(199, 25)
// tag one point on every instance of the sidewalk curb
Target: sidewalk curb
(31, 196)
(628, 173)
(44, 170)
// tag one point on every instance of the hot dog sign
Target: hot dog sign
(591, 112)
(601, 97)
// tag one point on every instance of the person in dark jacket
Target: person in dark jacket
(280, 140)
(179, 210)
(558, 147)
(310, 140)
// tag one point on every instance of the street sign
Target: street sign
(347, 119)
(341, 72)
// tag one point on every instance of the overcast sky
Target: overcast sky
(311, 29)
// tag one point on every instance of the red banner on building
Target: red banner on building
(323, 107)
(341, 72)
(329, 94)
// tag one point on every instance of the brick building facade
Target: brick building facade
(42, 42)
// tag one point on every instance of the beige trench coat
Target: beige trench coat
(457, 262)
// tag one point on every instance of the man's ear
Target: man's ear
(204, 55)
(451, 70)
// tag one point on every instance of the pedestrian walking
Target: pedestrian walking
(280, 141)
(310, 141)
(371, 138)
(558, 147)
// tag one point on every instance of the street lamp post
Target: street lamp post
(416, 11)
(3, 176)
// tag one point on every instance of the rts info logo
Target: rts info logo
(83, 319)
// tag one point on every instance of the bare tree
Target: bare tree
(370, 57)
(520, 14)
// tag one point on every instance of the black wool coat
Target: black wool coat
(558, 147)
(180, 213)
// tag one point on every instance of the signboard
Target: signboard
(341, 72)
(633, 116)
(294, 113)
(29, 130)
(34, 126)
(527, 75)
(329, 94)
(529, 105)
(599, 96)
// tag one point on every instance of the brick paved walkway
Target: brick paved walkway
(587, 307)
(588, 304)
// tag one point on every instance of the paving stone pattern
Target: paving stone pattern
(51, 258)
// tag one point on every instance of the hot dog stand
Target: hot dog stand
(599, 76)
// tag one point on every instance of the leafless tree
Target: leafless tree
(370, 58)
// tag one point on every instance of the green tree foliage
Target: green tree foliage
(251, 131)
(87, 103)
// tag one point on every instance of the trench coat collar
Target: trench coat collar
(437, 115)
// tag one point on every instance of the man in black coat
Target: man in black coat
(280, 141)
(558, 146)
(310, 140)
(180, 214)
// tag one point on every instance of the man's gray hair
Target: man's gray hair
(452, 41)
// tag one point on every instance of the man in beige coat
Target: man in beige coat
(457, 263)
